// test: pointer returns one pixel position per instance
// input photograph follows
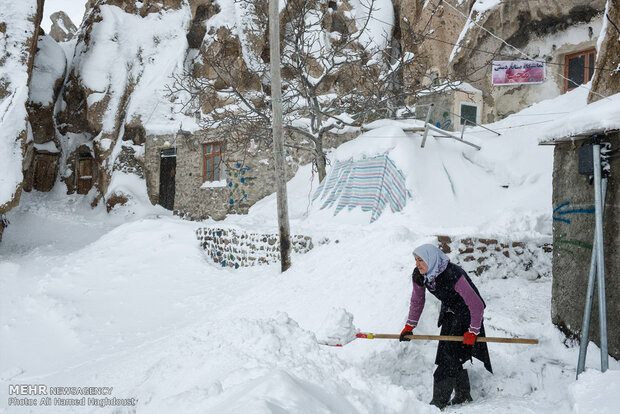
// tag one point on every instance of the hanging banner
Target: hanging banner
(511, 72)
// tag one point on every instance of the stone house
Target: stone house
(192, 173)
(561, 33)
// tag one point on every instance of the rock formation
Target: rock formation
(43, 152)
(518, 23)
(607, 81)
(62, 29)
(119, 58)
(19, 29)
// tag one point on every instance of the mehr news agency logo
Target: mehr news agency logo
(29, 395)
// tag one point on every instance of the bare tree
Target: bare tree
(334, 74)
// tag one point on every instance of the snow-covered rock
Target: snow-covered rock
(607, 81)
(62, 29)
(125, 54)
(19, 26)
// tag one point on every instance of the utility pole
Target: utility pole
(278, 142)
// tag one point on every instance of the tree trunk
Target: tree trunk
(278, 141)
(320, 159)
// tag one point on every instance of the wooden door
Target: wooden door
(85, 173)
(167, 172)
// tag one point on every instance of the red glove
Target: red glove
(407, 330)
(469, 338)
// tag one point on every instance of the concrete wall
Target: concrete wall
(573, 235)
(447, 107)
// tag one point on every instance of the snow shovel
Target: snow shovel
(368, 335)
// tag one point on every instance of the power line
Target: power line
(508, 56)
(608, 18)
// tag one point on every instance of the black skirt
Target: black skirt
(451, 355)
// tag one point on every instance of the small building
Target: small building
(194, 174)
(453, 106)
(574, 219)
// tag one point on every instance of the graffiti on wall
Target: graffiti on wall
(442, 121)
(562, 214)
(238, 180)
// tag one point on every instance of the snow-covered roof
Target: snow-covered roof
(600, 116)
(450, 87)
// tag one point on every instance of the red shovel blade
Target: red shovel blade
(340, 342)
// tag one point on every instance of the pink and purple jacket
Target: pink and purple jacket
(455, 291)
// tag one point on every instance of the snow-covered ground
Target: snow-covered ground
(130, 301)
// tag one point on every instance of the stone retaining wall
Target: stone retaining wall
(236, 248)
(502, 257)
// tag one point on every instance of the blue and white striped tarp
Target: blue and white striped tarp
(370, 183)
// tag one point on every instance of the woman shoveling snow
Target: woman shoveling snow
(462, 311)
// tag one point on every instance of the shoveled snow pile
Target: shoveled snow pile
(130, 301)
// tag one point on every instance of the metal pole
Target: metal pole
(600, 255)
(585, 326)
(428, 117)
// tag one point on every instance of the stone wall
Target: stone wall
(236, 248)
(573, 235)
(506, 258)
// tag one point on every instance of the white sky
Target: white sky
(73, 8)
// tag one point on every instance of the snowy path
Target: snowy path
(132, 303)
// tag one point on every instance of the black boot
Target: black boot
(461, 388)
(442, 390)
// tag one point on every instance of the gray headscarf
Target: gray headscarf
(435, 259)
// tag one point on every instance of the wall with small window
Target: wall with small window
(578, 68)
(213, 169)
(468, 105)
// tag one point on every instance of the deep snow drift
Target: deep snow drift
(130, 301)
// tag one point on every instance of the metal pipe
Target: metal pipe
(600, 255)
(585, 325)
(426, 124)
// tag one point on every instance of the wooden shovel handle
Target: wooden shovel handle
(458, 338)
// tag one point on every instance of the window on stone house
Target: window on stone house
(469, 114)
(212, 162)
(578, 68)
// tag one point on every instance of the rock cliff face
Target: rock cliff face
(524, 25)
(62, 29)
(437, 26)
(19, 28)
(124, 55)
(607, 82)
(43, 152)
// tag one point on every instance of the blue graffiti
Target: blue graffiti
(237, 179)
(558, 211)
